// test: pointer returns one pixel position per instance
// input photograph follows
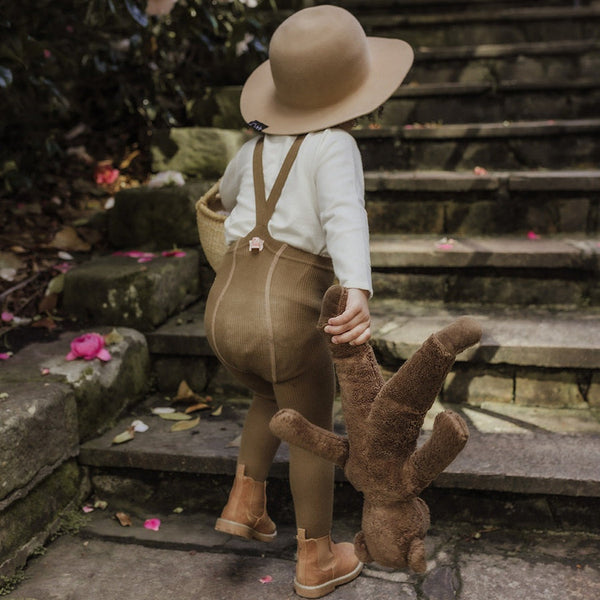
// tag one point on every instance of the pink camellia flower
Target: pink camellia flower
(5, 355)
(532, 235)
(153, 524)
(88, 346)
(105, 173)
(7, 317)
(176, 253)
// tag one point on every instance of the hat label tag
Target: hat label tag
(257, 126)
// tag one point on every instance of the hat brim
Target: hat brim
(391, 60)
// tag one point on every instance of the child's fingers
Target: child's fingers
(359, 334)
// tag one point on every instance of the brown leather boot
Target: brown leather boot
(323, 565)
(245, 513)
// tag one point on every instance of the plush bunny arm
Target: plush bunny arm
(358, 374)
(290, 426)
(449, 436)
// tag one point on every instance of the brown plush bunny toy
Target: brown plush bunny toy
(383, 419)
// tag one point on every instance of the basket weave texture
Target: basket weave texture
(211, 226)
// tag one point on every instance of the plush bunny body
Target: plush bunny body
(383, 420)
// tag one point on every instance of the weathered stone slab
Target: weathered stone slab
(195, 151)
(156, 218)
(26, 524)
(118, 290)
(557, 390)
(38, 432)
(101, 389)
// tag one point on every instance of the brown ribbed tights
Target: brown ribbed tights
(261, 316)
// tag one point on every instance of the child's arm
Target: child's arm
(353, 326)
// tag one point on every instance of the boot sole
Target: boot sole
(316, 591)
(233, 528)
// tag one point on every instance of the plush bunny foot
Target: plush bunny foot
(460, 335)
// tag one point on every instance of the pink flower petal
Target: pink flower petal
(176, 253)
(532, 235)
(45, 371)
(104, 355)
(266, 579)
(144, 259)
(5, 355)
(152, 524)
(7, 317)
(87, 509)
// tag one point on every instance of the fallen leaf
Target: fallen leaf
(126, 436)
(178, 510)
(139, 426)
(127, 160)
(162, 410)
(46, 322)
(217, 412)
(235, 443)
(124, 519)
(101, 504)
(68, 239)
(114, 337)
(45, 371)
(185, 392)
(153, 524)
(195, 407)
(175, 416)
(48, 303)
(184, 425)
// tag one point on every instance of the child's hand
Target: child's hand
(353, 326)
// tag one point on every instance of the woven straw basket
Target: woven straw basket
(211, 226)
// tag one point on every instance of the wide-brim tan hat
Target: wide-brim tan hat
(322, 71)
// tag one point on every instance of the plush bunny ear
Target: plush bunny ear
(416, 556)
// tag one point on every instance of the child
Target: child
(297, 220)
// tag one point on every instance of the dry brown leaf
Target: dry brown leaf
(217, 412)
(127, 160)
(114, 337)
(124, 519)
(195, 407)
(126, 436)
(68, 239)
(175, 416)
(48, 303)
(184, 425)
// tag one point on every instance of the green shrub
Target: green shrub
(108, 65)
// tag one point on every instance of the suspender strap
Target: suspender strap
(265, 207)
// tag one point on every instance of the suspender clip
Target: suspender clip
(256, 244)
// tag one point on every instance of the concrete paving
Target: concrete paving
(186, 559)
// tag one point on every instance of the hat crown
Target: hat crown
(318, 56)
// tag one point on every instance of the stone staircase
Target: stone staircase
(483, 197)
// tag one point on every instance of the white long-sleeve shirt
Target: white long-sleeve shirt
(321, 209)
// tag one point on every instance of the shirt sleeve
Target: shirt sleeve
(340, 196)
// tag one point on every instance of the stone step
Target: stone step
(535, 459)
(496, 271)
(494, 146)
(483, 203)
(527, 357)
(48, 405)
(492, 26)
(479, 99)
(438, 6)
(131, 291)
(486, 101)
(530, 61)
